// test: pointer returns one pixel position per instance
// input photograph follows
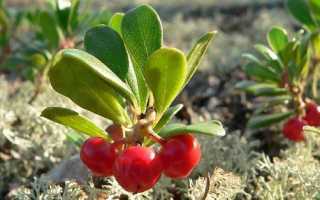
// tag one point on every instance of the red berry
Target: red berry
(98, 155)
(293, 129)
(312, 114)
(179, 155)
(137, 169)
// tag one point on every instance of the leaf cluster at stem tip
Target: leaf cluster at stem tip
(124, 72)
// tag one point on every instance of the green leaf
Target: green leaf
(262, 121)
(262, 73)
(89, 83)
(278, 39)
(272, 59)
(261, 89)
(167, 116)
(211, 128)
(106, 44)
(49, 29)
(252, 58)
(62, 13)
(142, 35)
(266, 52)
(315, 9)
(300, 10)
(197, 53)
(116, 21)
(165, 74)
(73, 20)
(73, 120)
(269, 102)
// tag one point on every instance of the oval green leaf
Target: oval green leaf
(142, 34)
(278, 39)
(73, 120)
(211, 128)
(106, 44)
(89, 83)
(165, 73)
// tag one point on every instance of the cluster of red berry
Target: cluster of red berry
(138, 168)
(293, 128)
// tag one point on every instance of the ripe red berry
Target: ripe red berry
(98, 155)
(179, 155)
(312, 114)
(293, 129)
(137, 169)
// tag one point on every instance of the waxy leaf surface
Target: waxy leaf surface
(89, 83)
(106, 44)
(165, 74)
(142, 34)
(73, 120)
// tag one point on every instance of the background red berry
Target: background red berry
(312, 114)
(98, 155)
(137, 169)
(180, 154)
(293, 129)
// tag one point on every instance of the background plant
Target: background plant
(282, 72)
(56, 25)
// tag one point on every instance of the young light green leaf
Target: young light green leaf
(116, 21)
(49, 29)
(167, 116)
(73, 120)
(165, 74)
(106, 44)
(197, 53)
(211, 128)
(278, 39)
(142, 34)
(262, 121)
(89, 83)
(300, 10)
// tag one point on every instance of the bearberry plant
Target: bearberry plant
(285, 75)
(57, 25)
(128, 76)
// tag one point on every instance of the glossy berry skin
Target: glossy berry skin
(98, 155)
(312, 114)
(179, 155)
(293, 129)
(137, 169)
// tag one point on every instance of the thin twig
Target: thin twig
(206, 191)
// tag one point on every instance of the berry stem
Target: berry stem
(154, 137)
